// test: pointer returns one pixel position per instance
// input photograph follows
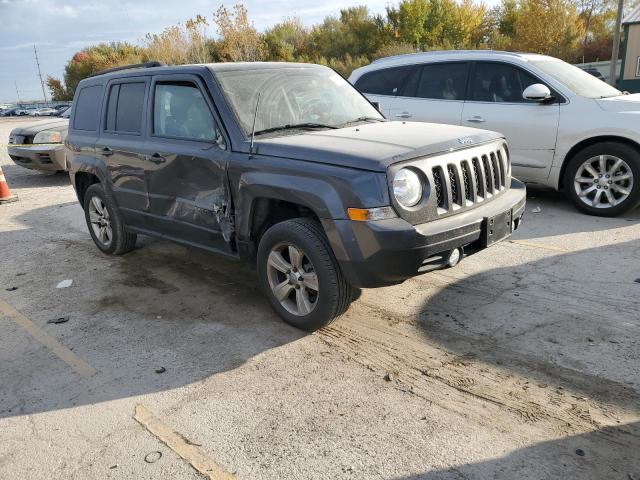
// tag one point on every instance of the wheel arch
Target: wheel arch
(587, 142)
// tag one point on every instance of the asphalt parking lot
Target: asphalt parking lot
(521, 362)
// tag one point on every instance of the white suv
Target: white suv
(564, 127)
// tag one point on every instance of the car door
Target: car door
(383, 85)
(120, 141)
(433, 93)
(495, 102)
(186, 164)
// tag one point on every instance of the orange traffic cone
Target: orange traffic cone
(5, 193)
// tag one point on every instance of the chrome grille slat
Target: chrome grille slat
(465, 178)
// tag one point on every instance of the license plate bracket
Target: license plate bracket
(498, 227)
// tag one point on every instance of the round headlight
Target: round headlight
(407, 187)
(48, 137)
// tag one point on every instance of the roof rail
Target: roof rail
(443, 52)
(128, 67)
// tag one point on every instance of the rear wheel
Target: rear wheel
(604, 179)
(301, 276)
(105, 222)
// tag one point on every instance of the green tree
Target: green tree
(286, 40)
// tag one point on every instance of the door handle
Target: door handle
(404, 115)
(156, 158)
(476, 119)
(106, 151)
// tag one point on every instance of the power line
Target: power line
(44, 93)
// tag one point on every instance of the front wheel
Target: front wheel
(604, 179)
(300, 274)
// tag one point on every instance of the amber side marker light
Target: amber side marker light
(370, 214)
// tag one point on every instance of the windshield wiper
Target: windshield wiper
(363, 119)
(295, 126)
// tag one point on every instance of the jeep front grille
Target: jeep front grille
(465, 180)
(438, 185)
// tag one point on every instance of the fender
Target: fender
(318, 195)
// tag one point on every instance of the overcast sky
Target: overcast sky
(61, 28)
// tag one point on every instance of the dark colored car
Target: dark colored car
(289, 167)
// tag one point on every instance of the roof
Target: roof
(633, 17)
(142, 69)
(455, 53)
(226, 66)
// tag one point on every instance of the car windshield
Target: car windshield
(577, 80)
(294, 99)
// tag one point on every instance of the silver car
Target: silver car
(40, 146)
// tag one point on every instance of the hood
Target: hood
(374, 146)
(59, 124)
(621, 103)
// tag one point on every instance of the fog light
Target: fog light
(454, 257)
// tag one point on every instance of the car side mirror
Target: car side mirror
(537, 92)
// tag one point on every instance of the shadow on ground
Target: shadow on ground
(568, 458)
(192, 313)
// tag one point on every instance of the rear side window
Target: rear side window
(86, 108)
(443, 81)
(180, 111)
(124, 109)
(384, 82)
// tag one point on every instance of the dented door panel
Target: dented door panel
(188, 193)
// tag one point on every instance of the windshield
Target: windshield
(310, 97)
(577, 80)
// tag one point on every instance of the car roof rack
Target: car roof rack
(128, 67)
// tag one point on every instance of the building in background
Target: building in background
(630, 72)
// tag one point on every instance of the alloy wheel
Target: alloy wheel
(100, 221)
(292, 279)
(603, 181)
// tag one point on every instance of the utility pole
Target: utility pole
(44, 93)
(616, 44)
(17, 92)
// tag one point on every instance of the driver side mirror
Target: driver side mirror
(537, 92)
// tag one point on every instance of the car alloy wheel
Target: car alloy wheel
(292, 279)
(100, 221)
(603, 181)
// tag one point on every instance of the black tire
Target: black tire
(121, 240)
(629, 154)
(334, 293)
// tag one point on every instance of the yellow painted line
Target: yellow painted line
(181, 446)
(31, 144)
(539, 245)
(81, 367)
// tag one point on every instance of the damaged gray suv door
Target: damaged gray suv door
(288, 167)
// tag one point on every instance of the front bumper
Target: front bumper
(46, 158)
(387, 252)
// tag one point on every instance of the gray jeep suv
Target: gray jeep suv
(289, 167)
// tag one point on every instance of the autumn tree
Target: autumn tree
(551, 27)
(91, 60)
(57, 89)
(240, 41)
